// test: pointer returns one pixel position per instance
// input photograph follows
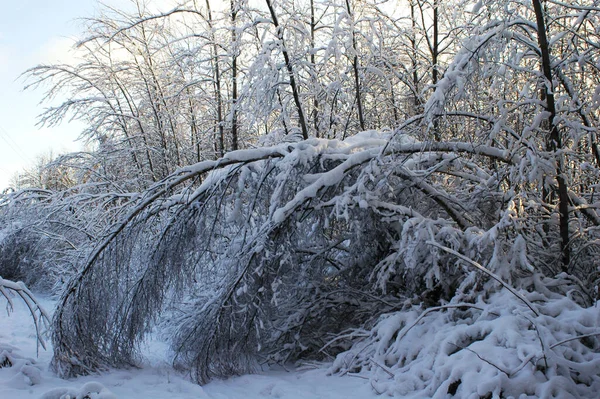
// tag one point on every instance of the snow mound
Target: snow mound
(18, 371)
(90, 390)
(493, 348)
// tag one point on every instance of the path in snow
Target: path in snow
(32, 379)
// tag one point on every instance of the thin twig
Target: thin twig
(426, 312)
(40, 318)
(564, 341)
(489, 273)
(537, 331)
(483, 359)
(392, 375)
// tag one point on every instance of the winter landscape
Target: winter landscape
(312, 199)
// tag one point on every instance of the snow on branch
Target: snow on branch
(41, 320)
(487, 272)
(219, 222)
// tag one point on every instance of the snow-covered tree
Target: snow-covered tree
(471, 223)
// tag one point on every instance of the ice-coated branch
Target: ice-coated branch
(41, 320)
(487, 272)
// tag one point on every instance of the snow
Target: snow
(30, 377)
(327, 179)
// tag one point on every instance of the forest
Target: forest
(403, 191)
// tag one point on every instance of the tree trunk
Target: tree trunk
(217, 83)
(313, 28)
(290, 70)
(414, 61)
(554, 142)
(355, 68)
(434, 51)
(234, 82)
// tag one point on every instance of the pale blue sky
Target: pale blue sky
(34, 32)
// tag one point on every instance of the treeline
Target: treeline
(162, 90)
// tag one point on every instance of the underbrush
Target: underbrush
(484, 346)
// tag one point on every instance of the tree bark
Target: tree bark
(313, 28)
(234, 82)
(554, 142)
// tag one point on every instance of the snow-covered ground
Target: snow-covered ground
(29, 375)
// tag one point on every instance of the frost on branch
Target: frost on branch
(265, 254)
(41, 320)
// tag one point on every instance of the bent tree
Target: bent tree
(331, 249)
(234, 247)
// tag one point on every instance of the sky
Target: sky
(34, 32)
